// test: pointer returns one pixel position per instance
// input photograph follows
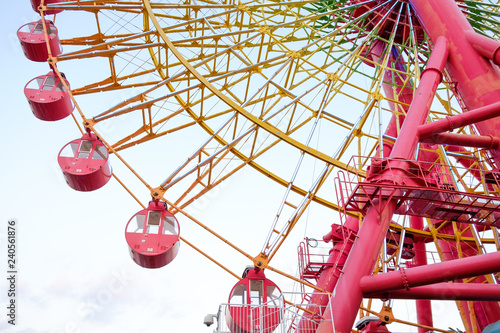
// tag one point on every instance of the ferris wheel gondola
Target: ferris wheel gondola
(152, 235)
(255, 304)
(35, 4)
(48, 98)
(85, 163)
(33, 41)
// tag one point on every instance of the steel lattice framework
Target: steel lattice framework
(396, 100)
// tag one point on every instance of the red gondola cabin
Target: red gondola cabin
(255, 304)
(153, 236)
(33, 42)
(36, 3)
(48, 98)
(85, 164)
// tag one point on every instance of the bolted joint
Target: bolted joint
(386, 315)
(261, 261)
(157, 193)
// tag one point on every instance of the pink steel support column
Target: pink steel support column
(364, 254)
(460, 120)
(424, 309)
(445, 291)
(487, 47)
(440, 272)
(464, 140)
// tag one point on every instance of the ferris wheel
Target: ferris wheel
(377, 114)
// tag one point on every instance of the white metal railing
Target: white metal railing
(269, 317)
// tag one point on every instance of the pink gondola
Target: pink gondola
(33, 40)
(85, 164)
(48, 98)
(153, 236)
(255, 304)
(36, 3)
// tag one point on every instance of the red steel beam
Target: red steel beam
(461, 120)
(464, 140)
(487, 47)
(445, 291)
(434, 273)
